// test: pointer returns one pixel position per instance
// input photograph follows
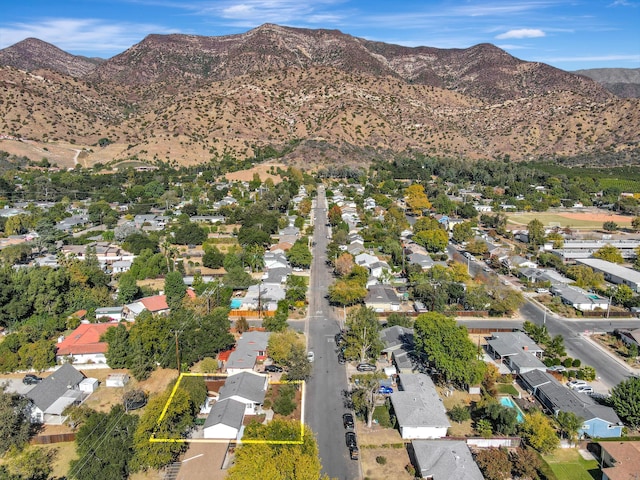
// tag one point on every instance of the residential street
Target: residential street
(324, 401)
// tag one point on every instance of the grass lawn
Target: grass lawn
(506, 388)
(547, 218)
(567, 464)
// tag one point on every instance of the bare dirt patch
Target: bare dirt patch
(262, 170)
(105, 397)
(395, 463)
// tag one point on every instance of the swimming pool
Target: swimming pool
(509, 403)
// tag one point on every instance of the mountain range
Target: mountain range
(318, 95)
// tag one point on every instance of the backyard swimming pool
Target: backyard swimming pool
(508, 402)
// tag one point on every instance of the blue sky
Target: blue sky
(566, 34)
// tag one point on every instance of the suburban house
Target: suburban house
(418, 408)
(629, 336)
(516, 262)
(241, 394)
(443, 460)
(580, 299)
(83, 345)
(156, 304)
(619, 460)
(251, 347)
(114, 314)
(423, 260)
(613, 272)
(263, 296)
(598, 420)
(515, 350)
(544, 276)
(382, 298)
(397, 344)
(54, 393)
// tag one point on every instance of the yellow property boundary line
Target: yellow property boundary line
(153, 438)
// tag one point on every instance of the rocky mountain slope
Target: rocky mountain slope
(325, 95)
(624, 82)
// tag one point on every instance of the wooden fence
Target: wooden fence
(55, 438)
(250, 314)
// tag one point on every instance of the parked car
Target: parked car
(338, 338)
(353, 453)
(341, 359)
(557, 368)
(542, 290)
(588, 389)
(273, 368)
(576, 383)
(366, 367)
(311, 357)
(347, 420)
(31, 379)
(350, 438)
(384, 390)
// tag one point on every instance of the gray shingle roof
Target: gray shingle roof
(226, 412)
(418, 403)
(50, 389)
(245, 385)
(445, 459)
(396, 337)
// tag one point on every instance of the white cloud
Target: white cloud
(91, 36)
(521, 33)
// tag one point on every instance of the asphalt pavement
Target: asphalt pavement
(324, 403)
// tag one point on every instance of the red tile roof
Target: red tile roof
(85, 339)
(156, 303)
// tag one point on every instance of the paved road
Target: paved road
(324, 404)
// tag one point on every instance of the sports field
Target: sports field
(585, 220)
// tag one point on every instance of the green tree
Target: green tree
(175, 289)
(299, 254)
(460, 413)
(635, 224)
(296, 288)
(536, 232)
(625, 398)
(32, 464)
(462, 232)
(213, 258)
(503, 419)
(610, 226)
(15, 427)
(585, 277)
(105, 446)
(189, 233)
(363, 334)
(609, 253)
(622, 293)
(335, 215)
(118, 350)
(364, 394)
(538, 334)
(137, 242)
(281, 344)
(298, 367)
(569, 424)
(555, 347)
(537, 430)
(273, 461)
(448, 348)
(347, 292)
(128, 289)
(432, 240)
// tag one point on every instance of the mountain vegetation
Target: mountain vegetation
(297, 94)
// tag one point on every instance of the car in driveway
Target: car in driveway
(384, 390)
(347, 420)
(273, 368)
(557, 368)
(31, 379)
(576, 383)
(350, 439)
(588, 389)
(366, 367)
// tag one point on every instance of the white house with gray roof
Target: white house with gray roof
(444, 460)
(250, 347)
(418, 408)
(613, 272)
(516, 350)
(246, 387)
(224, 421)
(580, 299)
(53, 394)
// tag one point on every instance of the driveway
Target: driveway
(203, 461)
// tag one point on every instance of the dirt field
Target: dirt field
(589, 219)
(104, 398)
(371, 441)
(262, 170)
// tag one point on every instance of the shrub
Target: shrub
(576, 363)
(459, 413)
(285, 403)
(380, 460)
(568, 362)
